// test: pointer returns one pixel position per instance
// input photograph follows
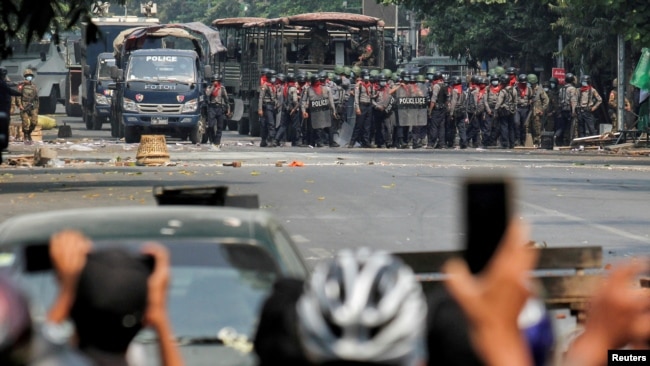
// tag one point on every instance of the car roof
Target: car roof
(150, 222)
(157, 222)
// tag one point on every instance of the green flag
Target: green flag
(641, 76)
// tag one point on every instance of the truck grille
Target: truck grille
(159, 108)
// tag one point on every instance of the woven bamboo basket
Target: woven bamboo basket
(152, 150)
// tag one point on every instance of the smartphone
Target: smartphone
(487, 211)
(37, 258)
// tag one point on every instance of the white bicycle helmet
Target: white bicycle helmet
(364, 306)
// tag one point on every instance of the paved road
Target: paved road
(399, 200)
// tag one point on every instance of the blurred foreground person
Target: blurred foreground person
(363, 308)
(110, 295)
(22, 342)
(493, 300)
(618, 316)
(276, 341)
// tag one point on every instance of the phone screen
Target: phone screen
(487, 212)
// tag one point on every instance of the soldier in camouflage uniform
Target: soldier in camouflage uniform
(27, 102)
(612, 104)
(539, 106)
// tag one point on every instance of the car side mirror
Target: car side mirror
(87, 71)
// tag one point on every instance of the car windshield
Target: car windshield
(105, 68)
(161, 68)
(214, 287)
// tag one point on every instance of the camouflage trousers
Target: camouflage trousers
(535, 127)
(30, 120)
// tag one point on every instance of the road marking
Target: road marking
(319, 254)
(605, 228)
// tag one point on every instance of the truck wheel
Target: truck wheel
(204, 139)
(88, 119)
(120, 126)
(47, 105)
(97, 122)
(131, 135)
(232, 125)
(197, 132)
(243, 127)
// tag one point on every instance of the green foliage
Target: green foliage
(489, 29)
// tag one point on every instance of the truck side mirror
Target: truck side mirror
(207, 72)
(87, 71)
(111, 86)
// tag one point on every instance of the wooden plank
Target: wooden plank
(550, 258)
(570, 287)
(559, 290)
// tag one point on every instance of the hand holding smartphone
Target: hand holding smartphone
(487, 211)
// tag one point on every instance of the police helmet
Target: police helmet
(356, 70)
(522, 78)
(504, 79)
(322, 76)
(456, 80)
(291, 77)
(337, 79)
(499, 70)
(338, 69)
(431, 70)
(281, 77)
(494, 77)
(420, 78)
(330, 75)
(569, 78)
(482, 80)
(585, 79)
(264, 71)
(395, 77)
(270, 73)
(3, 72)
(554, 80)
(301, 78)
(399, 71)
(28, 72)
(532, 78)
(387, 73)
(511, 70)
(365, 73)
(347, 70)
(438, 75)
(381, 77)
(216, 77)
(406, 77)
(313, 78)
(474, 79)
(374, 72)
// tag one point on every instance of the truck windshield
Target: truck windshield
(161, 68)
(105, 68)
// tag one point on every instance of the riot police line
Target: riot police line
(356, 107)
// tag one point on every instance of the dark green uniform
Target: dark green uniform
(27, 102)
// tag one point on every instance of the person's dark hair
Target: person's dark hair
(111, 300)
(276, 341)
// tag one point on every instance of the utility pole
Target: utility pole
(396, 23)
(620, 88)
